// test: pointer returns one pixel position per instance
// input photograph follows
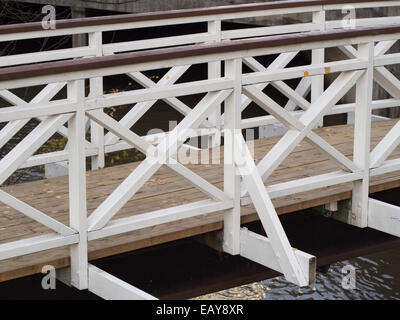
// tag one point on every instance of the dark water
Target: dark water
(377, 277)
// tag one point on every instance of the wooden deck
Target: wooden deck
(166, 189)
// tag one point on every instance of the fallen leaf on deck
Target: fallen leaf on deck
(163, 181)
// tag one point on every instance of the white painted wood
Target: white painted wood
(169, 79)
(109, 287)
(309, 119)
(13, 127)
(364, 22)
(269, 218)
(349, 51)
(300, 72)
(33, 141)
(154, 218)
(141, 108)
(160, 22)
(159, 64)
(307, 184)
(232, 118)
(11, 98)
(387, 81)
(157, 43)
(303, 89)
(200, 183)
(45, 56)
(52, 157)
(96, 90)
(259, 249)
(266, 121)
(37, 244)
(387, 167)
(143, 95)
(36, 110)
(121, 131)
(384, 217)
(382, 47)
(278, 64)
(385, 147)
(35, 214)
(318, 57)
(151, 164)
(362, 138)
(269, 31)
(280, 85)
(214, 71)
(147, 148)
(311, 183)
(387, 60)
(331, 206)
(298, 130)
(207, 115)
(77, 186)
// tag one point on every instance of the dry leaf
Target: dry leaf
(163, 181)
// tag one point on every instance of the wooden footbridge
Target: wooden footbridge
(179, 191)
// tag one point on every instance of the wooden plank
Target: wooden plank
(166, 189)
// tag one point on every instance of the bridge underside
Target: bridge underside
(168, 190)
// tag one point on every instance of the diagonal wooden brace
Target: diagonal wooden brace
(284, 254)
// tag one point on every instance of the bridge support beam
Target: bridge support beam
(340, 211)
(384, 217)
(109, 287)
(259, 249)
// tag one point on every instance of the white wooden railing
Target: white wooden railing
(367, 63)
(95, 28)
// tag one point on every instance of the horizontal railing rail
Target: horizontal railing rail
(95, 27)
(210, 15)
(232, 12)
(328, 39)
(58, 73)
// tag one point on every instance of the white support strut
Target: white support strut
(247, 179)
(109, 287)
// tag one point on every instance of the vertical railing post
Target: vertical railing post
(362, 137)
(77, 185)
(232, 124)
(214, 71)
(96, 89)
(318, 57)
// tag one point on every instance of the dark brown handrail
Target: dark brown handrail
(164, 15)
(52, 68)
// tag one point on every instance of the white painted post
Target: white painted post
(214, 71)
(362, 137)
(232, 122)
(96, 89)
(318, 57)
(77, 186)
